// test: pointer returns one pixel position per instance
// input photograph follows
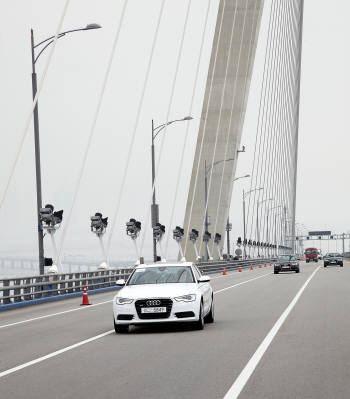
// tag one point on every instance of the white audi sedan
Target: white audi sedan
(164, 292)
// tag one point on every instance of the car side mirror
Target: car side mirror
(120, 282)
(204, 279)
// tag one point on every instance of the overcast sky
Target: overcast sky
(69, 99)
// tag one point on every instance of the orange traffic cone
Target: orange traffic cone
(259, 266)
(85, 298)
(251, 267)
(224, 272)
(264, 264)
(270, 264)
(240, 269)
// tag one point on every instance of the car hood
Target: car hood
(157, 290)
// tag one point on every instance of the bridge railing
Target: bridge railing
(19, 289)
(27, 288)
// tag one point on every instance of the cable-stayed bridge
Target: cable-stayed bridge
(266, 338)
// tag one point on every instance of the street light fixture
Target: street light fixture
(155, 207)
(35, 58)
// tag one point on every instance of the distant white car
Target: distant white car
(164, 292)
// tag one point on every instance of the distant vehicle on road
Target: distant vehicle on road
(311, 255)
(333, 258)
(286, 263)
(161, 293)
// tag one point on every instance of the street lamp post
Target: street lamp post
(34, 46)
(257, 220)
(267, 224)
(228, 224)
(244, 218)
(155, 207)
(206, 170)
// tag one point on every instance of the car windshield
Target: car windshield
(334, 255)
(286, 257)
(162, 275)
(311, 251)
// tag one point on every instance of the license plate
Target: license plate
(285, 267)
(154, 310)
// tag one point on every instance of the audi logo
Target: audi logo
(155, 302)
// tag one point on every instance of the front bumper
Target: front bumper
(180, 312)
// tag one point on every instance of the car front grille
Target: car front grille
(164, 302)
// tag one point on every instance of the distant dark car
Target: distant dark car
(286, 263)
(333, 258)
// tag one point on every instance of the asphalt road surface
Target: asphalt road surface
(275, 336)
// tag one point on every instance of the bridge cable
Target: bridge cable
(253, 36)
(261, 110)
(136, 124)
(93, 126)
(194, 90)
(179, 56)
(229, 134)
(205, 123)
(33, 105)
(219, 123)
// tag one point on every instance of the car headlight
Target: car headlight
(186, 298)
(123, 301)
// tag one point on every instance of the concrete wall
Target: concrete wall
(222, 115)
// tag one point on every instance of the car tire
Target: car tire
(297, 270)
(121, 328)
(325, 264)
(307, 260)
(316, 260)
(275, 272)
(199, 325)
(209, 318)
(341, 264)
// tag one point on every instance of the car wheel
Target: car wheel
(297, 270)
(275, 272)
(199, 325)
(325, 264)
(316, 260)
(307, 261)
(209, 318)
(121, 328)
(341, 264)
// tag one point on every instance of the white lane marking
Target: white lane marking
(242, 282)
(53, 354)
(68, 348)
(54, 314)
(248, 370)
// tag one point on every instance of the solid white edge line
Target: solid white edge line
(54, 314)
(248, 370)
(53, 354)
(68, 348)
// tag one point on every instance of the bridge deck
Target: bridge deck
(309, 356)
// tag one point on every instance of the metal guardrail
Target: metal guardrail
(18, 289)
(218, 266)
